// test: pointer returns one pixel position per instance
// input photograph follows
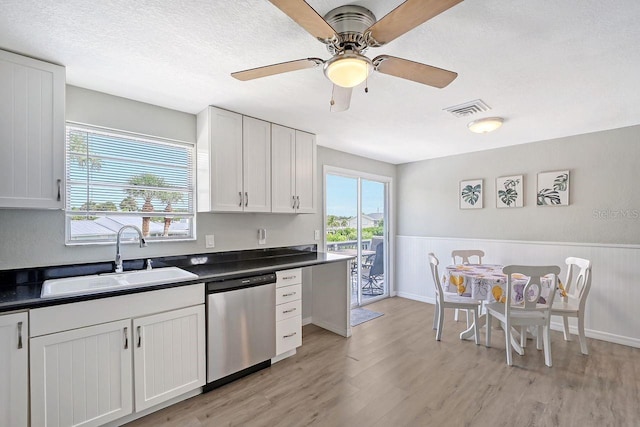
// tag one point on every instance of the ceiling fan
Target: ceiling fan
(348, 31)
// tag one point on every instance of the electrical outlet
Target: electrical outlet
(209, 241)
(316, 234)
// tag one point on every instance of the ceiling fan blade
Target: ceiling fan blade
(405, 17)
(283, 67)
(340, 98)
(306, 16)
(421, 73)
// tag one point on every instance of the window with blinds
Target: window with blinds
(116, 179)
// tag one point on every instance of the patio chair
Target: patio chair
(373, 272)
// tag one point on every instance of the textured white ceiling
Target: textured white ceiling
(550, 68)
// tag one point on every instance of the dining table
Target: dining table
(487, 283)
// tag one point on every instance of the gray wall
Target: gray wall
(32, 238)
(603, 189)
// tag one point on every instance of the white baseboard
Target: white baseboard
(598, 335)
(416, 297)
(307, 320)
(128, 418)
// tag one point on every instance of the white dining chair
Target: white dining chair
(528, 312)
(576, 287)
(465, 254)
(462, 256)
(444, 300)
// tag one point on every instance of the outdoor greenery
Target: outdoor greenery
(337, 230)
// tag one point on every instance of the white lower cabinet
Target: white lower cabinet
(91, 374)
(288, 312)
(81, 377)
(14, 348)
(168, 355)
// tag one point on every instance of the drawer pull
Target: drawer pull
(289, 335)
(126, 338)
(288, 277)
(139, 337)
(19, 335)
(290, 294)
(289, 311)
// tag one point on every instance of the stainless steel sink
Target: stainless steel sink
(107, 282)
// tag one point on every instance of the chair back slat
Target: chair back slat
(465, 254)
(532, 289)
(578, 287)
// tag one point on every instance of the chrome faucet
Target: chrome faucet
(143, 243)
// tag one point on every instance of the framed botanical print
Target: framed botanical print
(470, 194)
(509, 193)
(553, 188)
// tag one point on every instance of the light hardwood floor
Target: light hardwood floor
(392, 372)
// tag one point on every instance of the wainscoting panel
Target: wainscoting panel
(613, 307)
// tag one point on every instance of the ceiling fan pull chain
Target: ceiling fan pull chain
(333, 101)
(366, 85)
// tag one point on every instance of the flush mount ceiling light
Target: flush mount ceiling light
(348, 69)
(485, 125)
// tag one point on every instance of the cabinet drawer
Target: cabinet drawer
(288, 334)
(289, 309)
(288, 293)
(288, 277)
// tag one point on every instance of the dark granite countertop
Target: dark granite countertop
(20, 289)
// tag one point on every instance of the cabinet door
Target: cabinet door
(82, 376)
(31, 133)
(225, 160)
(169, 355)
(305, 184)
(13, 370)
(283, 142)
(256, 154)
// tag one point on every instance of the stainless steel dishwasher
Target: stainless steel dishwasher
(241, 334)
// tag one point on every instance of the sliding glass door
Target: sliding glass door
(356, 224)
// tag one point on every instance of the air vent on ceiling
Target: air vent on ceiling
(468, 108)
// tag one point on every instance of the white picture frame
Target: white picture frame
(553, 188)
(509, 191)
(470, 194)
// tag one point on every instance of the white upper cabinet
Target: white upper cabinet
(234, 161)
(256, 157)
(293, 170)
(219, 161)
(14, 377)
(305, 177)
(31, 133)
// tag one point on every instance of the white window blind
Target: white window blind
(116, 179)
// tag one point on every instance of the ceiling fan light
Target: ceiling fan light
(485, 125)
(348, 70)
